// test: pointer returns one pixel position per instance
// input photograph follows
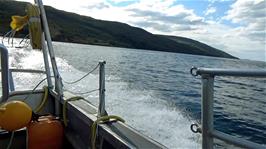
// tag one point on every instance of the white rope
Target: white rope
(76, 81)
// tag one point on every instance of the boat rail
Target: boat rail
(7, 77)
(207, 130)
(8, 82)
(27, 70)
(11, 80)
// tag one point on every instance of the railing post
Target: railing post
(4, 67)
(11, 81)
(207, 111)
(207, 130)
(101, 108)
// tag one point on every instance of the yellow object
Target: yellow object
(34, 26)
(102, 120)
(18, 22)
(65, 107)
(34, 22)
(44, 100)
(14, 115)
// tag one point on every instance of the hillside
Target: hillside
(193, 44)
(70, 27)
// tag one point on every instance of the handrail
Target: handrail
(26, 70)
(10, 76)
(228, 72)
(235, 140)
(207, 130)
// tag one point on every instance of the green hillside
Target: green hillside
(193, 44)
(70, 27)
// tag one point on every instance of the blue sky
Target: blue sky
(234, 26)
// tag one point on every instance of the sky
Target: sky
(237, 27)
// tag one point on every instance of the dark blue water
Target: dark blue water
(240, 103)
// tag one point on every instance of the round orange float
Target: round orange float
(46, 133)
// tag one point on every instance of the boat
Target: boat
(84, 125)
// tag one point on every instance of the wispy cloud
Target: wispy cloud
(164, 14)
(100, 5)
(251, 15)
(210, 10)
(120, 1)
(214, 1)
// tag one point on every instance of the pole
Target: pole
(11, 81)
(101, 108)
(207, 111)
(4, 67)
(46, 63)
(58, 81)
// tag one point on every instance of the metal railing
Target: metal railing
(5, 74)
(206, 129)
(101, 89)
(10, 75)
(8, 82)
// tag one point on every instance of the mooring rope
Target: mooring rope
(87, 92)
(76, 81)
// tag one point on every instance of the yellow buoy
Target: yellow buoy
(14, 115)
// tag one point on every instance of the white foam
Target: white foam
(150, 115)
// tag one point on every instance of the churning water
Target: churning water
(154, 91)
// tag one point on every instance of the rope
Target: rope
(73, 82)
(24, 38)
(35, 89)
(65, 107)
(26, 43)
(7, 34)
(11, 140)
(81, 93)
(27, 139)
(12, 34)
(102, 120)
(44, 100)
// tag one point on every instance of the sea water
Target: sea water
(155, 92)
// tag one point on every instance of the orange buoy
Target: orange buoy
(14, 115)
(46, 133)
